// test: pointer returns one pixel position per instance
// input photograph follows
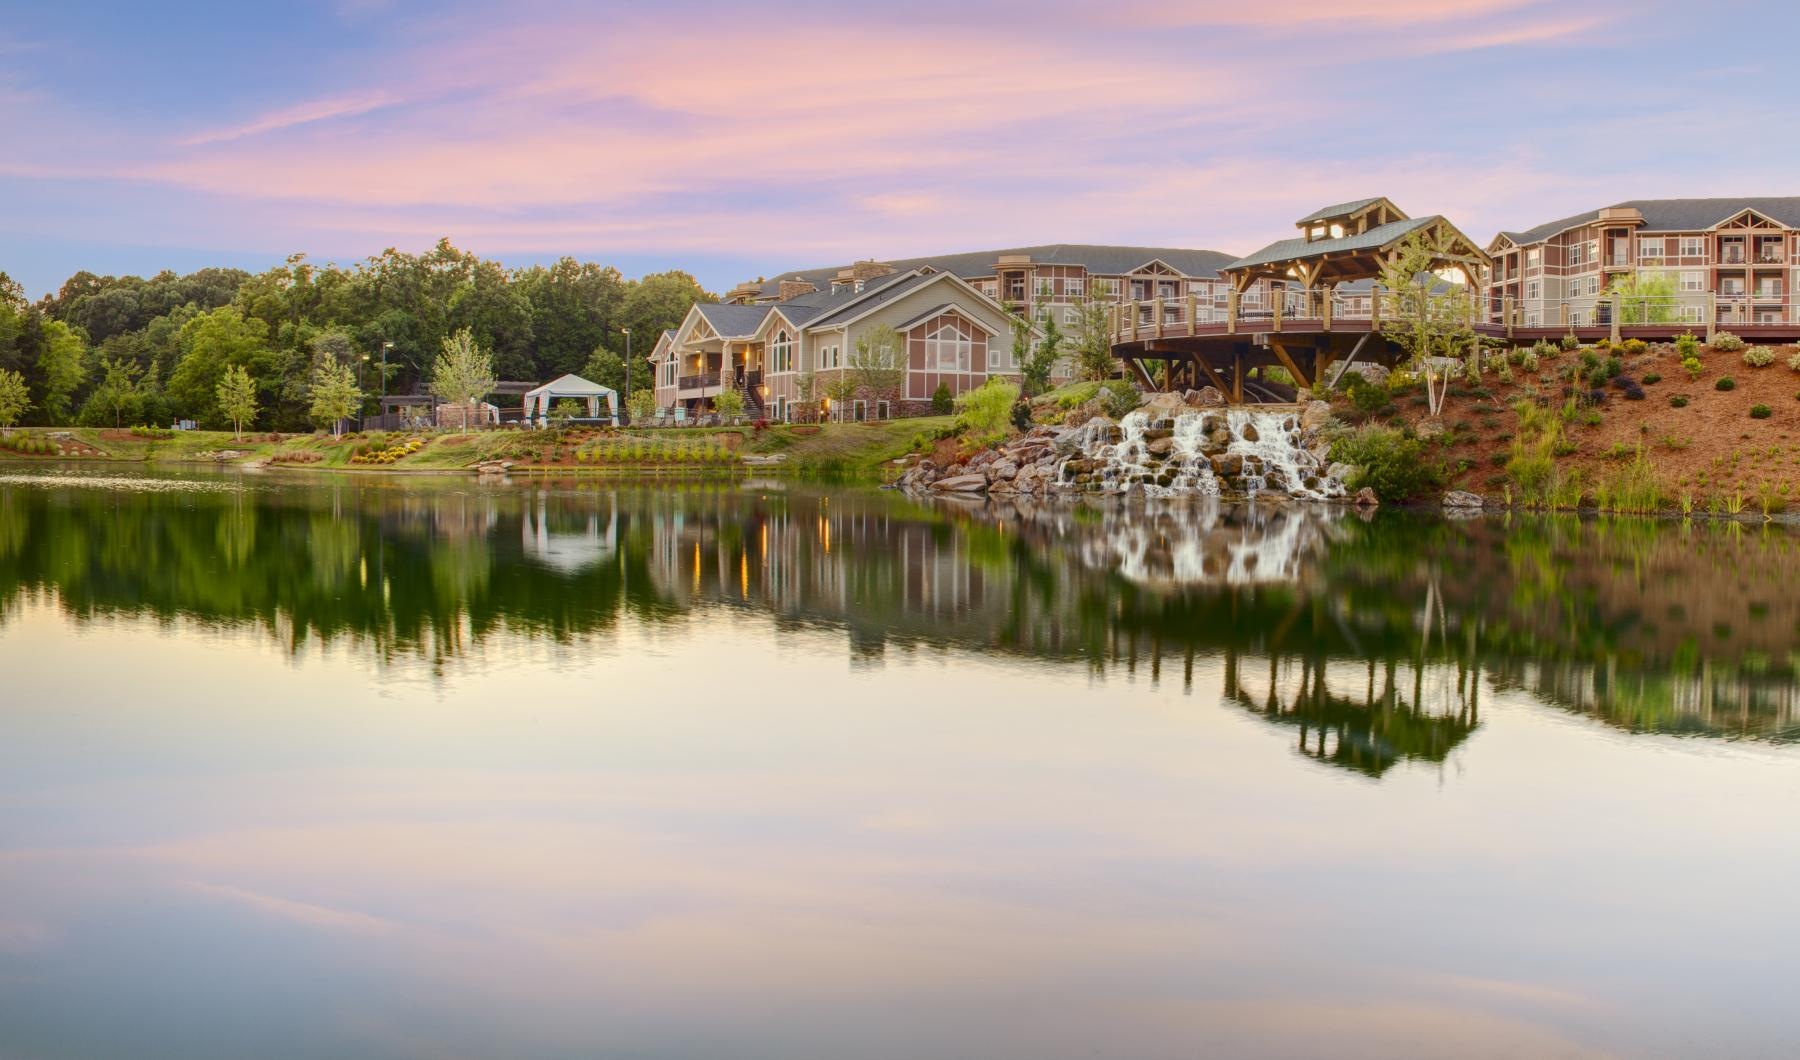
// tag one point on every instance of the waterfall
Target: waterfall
(1209, 452)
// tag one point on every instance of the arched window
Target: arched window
(949, 345)
(781, 352)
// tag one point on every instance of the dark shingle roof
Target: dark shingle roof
(732, 321)
(1674, 215)
(1293, 249)
(1098, 260)
(1339, 210)
(893, 288)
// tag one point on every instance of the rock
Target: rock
(1462, 499)
(1373, 373)
(1365, 498)
(1227, 464)
(1315, 415)
(1207, 397)
(954, 470)
(1163, 407)
(961, 483)
(1430, 428)
(1005, 470)
(1162, 446)
(1251, 434)
(1340, 471)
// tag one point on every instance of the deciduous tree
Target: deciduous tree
(335, 394)
(237, 397)
(15, 397)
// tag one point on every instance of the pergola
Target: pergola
(1322, 304)
(537, 402)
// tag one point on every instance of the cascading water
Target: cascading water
(1199, 453)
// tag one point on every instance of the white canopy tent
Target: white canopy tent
(538, 402)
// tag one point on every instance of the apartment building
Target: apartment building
(1728, 262)
(954, 314)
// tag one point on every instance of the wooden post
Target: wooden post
(1134, 321)
(1237, 376)
(1156, 308)
(1564, 315)
(1375, 308)
(1231, 312)
(1506, 313)
(1712, 315)
(1279, 297)
(1193, 310)
(1325, 312)
(1615, 318)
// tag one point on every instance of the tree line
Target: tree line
(271, 350)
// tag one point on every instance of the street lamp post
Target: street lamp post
(625, 413)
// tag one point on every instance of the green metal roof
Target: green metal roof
(1295, 249)
(1339, 210)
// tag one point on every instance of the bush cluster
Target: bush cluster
(1678, 401)
(386, 451)
(1761, 412)
(985, 412)
(1726, 342)
(1725, 383)
(1392, 462)
(29, 445)
(1118, 397)
(1686, 345)
(707, 451)
(1759, 357)
(155, 434)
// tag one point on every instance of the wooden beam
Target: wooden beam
(1237, 376)
(1281, 353)
(1217, 379)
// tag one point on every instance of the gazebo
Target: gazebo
(537, 402)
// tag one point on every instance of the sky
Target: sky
(742, 140)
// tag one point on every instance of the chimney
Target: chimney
(794, 288)
(868, 270)
(744, 293)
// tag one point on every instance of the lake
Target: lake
(326, 767)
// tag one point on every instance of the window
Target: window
(949, 345)
(1533, 291)
(991, 289)
(1015, 288)
(667, 370)
(1139, 290)
(1651, 249)
(1074, 287)
(781, 409)
(1688, 314)
(1578, 254)
(831, 357)
(781, 352)
(1534, 257)
(1071, 316)
(1731, 286)
(1693, 247)
(1693, 281)
(882, 410)
(1165, 290)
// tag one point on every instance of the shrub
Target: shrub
(1686, 345)
(1759, 357)
(729, 404)
(1529, 360)
(1726, 342)
(1761, 412)
(1652, 378)
(1633, 392)
(1677, 401)
(1725, 383)
(1390, 461)
(984, 412)
(941, 401)
(1569, 341)
(1367, 397)
(1794, 362)
(1692, 366)
(1118, 397)
(1634, 346)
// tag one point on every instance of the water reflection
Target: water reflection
(1366, 636)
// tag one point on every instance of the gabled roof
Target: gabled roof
(1342, 208)
(732, 321)
(1300, 247)
(882, 295)
(939, 310)
(1673, 215)
(1096, 259)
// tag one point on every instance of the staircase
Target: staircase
(753, 403)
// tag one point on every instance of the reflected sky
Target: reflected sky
(368, 769)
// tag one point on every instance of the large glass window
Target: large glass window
(950, 346)
(781, 352)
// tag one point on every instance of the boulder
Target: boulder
(1365, 498)
(1004, 470)
(1227, 465)
(1163, 407)
(1162, 446)
(1462, 499)
(1251, 434)
(1430, 428)
(1373, 373)
(1315, 415)
(1207, 397)
(961, 483)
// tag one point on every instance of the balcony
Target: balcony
(1731, 255)
(1768, 257)
(698, 382)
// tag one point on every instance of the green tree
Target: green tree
(1645, 297)
(15, 397)
(210, 343)
(61, 366)
(1040, 362)
(335, 394)
(463, 373)
(878, 363)
(1425, 315)
(642, 405)
(237, 397)
(1093, 333)
(729, 403)
(118, 395)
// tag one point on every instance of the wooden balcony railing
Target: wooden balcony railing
(698, 382)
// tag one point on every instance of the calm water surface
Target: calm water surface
(327, 768)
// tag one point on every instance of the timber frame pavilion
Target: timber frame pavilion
(1298, 304)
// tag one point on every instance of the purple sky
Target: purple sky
(737, 140)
